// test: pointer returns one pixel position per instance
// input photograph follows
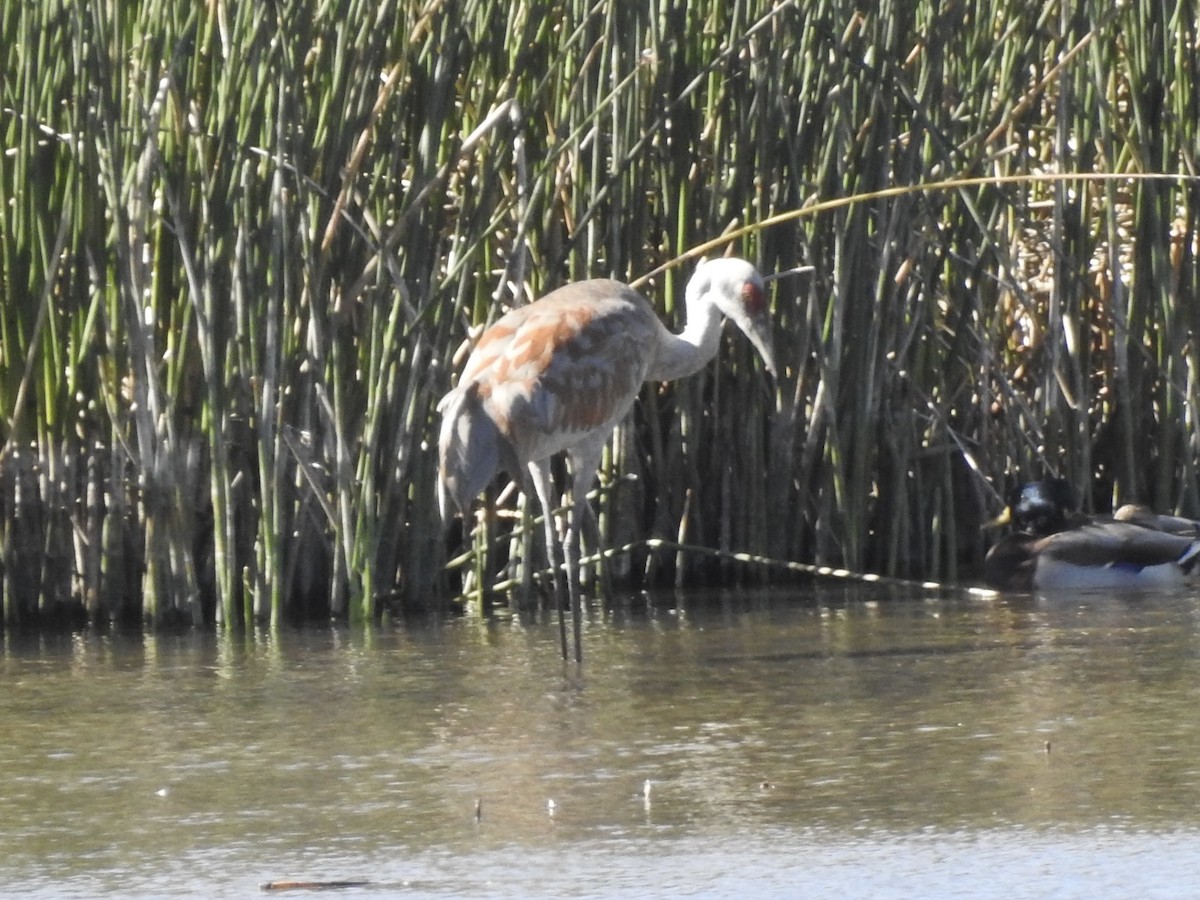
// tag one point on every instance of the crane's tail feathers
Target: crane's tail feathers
(468, 451)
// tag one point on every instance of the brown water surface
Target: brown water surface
(821, 742)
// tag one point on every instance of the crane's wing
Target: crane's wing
(559, 370)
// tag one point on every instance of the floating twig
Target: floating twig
(312, 885)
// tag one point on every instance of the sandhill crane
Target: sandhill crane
(560, 373)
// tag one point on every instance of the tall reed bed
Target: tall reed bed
(244, 245)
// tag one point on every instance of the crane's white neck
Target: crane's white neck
(689, 351)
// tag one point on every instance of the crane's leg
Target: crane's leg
(585, 461)
(571, 552)
(540, 475)
(593, 530)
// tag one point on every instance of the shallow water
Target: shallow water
(827, 742)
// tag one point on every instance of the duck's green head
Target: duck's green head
(1039, 507)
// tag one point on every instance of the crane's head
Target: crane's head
(736, 289)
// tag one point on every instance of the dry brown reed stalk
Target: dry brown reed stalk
(244, 246)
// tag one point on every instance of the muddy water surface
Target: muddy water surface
(856, 742)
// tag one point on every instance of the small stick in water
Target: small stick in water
(311, 885)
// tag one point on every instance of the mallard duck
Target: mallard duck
(1056, 548)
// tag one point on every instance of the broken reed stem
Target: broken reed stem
(748, 561)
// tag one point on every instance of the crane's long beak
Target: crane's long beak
(763, 340)
(759, 328)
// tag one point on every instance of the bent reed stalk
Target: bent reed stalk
(245, 247)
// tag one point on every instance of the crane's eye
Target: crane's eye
(752, 299)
